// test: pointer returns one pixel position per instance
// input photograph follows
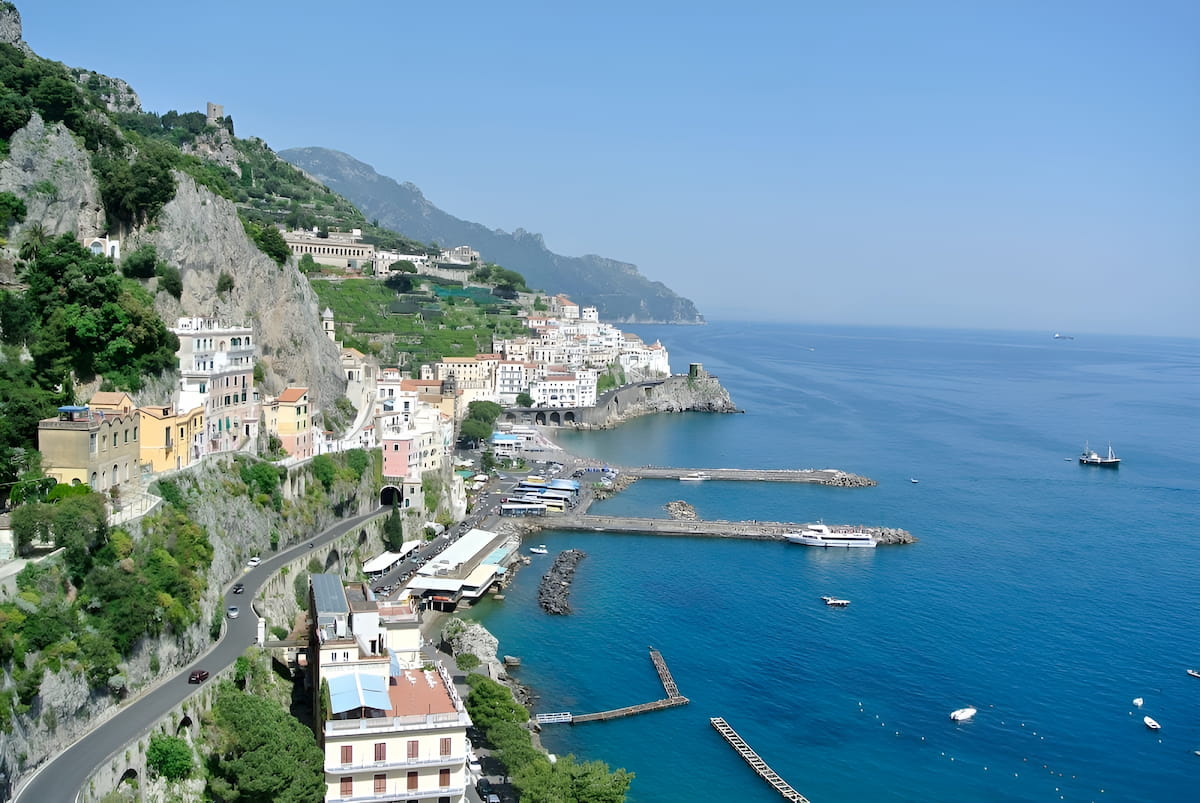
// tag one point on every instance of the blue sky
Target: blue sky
(1008, 165)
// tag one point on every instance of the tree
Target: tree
(271, 242)
(261, 752)
(170, 757)
(12, 210)
(170, 280)
(324, 470)
(393, 531)
(475, 430)
(524, 399)
(140, 264)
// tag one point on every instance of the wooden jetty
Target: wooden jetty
(673, 698)
(757, 764)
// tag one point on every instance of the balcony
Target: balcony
(394, 764)
(336, 728)
(397, 790)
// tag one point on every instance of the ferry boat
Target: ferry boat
(696, 476)
(821, 535)
(1091, 458)
(539, 549)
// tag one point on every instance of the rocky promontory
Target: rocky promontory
(843, 479)
(681, 510)
(556, 584)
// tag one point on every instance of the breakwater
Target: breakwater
(556, 583)
(818, 476)
(748, 530)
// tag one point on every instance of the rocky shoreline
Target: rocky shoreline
(556, 583)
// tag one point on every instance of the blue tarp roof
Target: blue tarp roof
(347, 692)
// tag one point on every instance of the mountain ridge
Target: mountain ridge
(618, 289)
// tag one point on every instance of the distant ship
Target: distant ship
(1057, 336)
(1091, 458)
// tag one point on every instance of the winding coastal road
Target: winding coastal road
(63, 777)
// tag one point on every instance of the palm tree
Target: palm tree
(35, 237)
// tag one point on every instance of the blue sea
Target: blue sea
(1044, 593)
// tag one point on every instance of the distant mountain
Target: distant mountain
(617, 289)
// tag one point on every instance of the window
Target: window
(443, 779)
(412, 781)
(444, 747)
(381, 751)
(380, 784)
(413, 749)
(347, 787)
(347, 753)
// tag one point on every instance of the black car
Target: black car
(198, 676)
(239, 588)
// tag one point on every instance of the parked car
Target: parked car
(198, 676)
(233, 612)
(239, 588)
(254, 561)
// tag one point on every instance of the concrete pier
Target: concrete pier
(747, 530)
(822, 476)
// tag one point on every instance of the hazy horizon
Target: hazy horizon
(1014, 166)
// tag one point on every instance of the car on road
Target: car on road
(492, 798)
(198, 676)
(254, 561)
(239, 588)
(232, 612)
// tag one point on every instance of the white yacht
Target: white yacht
(696, 476)
(822, 535)
(962, 714)
(540, 549)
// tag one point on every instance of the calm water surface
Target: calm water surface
(1046, 594)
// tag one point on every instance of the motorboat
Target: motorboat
(962, 714)
(540, 549)
(1090, 457)
(913, 480)
(1194, 673)
(1138, 701)
(822, 535)
(696, 476)
(1151, 724)
(834, 602)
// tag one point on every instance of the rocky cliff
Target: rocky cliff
(201, 234)
(697, 391)
(49, 171)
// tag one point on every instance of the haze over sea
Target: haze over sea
(1044, 593)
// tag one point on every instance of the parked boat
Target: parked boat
(539, 550)
(1138, 701)
(695, 476)
(913, 480)
(1092, 458)
(1151, 724)
(834, 602)
(1194, 673)
(822, 535)
(962, 714)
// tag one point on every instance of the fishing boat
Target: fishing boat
(1151, 724)
(962, 714)
(1194, 673)
(539, 549)
(1092, 458)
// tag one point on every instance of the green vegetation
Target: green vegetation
(611, 377)
(260, 751)
(170, 757)
(481, 418)
(524, 399)
(393, 531)
(501, 718)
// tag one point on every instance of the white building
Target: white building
(216, 367)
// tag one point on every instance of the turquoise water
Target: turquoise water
(1046, 594)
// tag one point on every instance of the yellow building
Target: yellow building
(171, 440)
(93, 446)
(290, 419)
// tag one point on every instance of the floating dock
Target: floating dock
(757, 764)
(673, 698)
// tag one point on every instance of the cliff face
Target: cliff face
(49, 171)
(702, 393)
(201, 234)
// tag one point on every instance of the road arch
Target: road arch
(391, 495)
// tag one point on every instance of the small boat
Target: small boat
(962, 714)
(834, 602)
(1151, 724)
(1138, 701)
(1092, 458)
(539, 549)
(913, 480)
(1059, 336)
(696, 476)
(1194, 673)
